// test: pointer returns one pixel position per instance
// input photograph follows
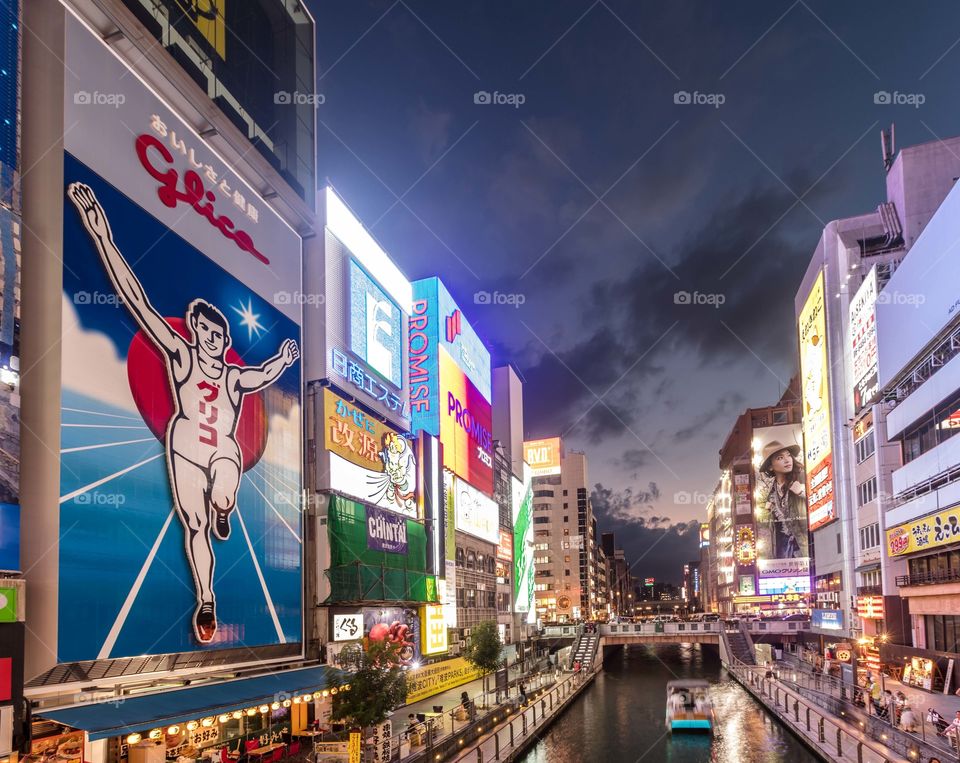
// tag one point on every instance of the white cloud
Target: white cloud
(91, 364)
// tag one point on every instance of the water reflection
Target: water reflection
(621, 717)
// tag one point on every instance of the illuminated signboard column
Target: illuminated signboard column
(178, 526)
(815, 386)
(862, 334)
(449, 397)
(523, 565)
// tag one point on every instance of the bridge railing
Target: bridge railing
(562, 631)
(691, 628)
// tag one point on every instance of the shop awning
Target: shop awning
(868, 567)
(124, 715)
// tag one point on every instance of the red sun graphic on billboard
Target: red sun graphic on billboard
(150, 387)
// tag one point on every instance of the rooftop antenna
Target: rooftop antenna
(888, 145)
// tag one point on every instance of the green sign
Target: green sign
(522, 554)
(8, 604)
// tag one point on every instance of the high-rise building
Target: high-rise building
(760, 545)
(507, 391)
(563, 534)
(848, 477)
(918, 381)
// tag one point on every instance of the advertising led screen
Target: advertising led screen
(397, 625)
(376, 333)
(778, 568)
(256, 59)
(362, 315)
(476, 514)
(785, 585)
(523, 565)
(369, 460)
(780, 512)
(9, 98)
(863, 341)
(181, 408)
(815, 380)
(543, 456)
(827, 619)
(437, 328)
(466, 422)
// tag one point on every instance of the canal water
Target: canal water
(620, 718)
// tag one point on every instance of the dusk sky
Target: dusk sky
(588, 198)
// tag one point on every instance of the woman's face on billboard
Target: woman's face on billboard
(782, 462)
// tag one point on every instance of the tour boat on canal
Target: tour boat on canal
(689, 707)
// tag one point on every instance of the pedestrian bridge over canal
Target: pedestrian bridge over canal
(764, 631)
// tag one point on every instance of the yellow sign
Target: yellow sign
(354, 747)
(209, 17)
(433, 630)
(927, 532)
(746, 548)
(382, 466)
(815, 378)
(432, 679)
(543, 456)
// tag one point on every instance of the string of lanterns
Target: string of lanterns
(238, 714)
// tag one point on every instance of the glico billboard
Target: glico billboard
(180, 465)
(815, 380)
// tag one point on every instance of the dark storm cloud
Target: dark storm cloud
(742, 273)
(726, 408)
(654, 546)
(635, 458)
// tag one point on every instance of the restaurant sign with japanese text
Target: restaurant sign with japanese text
(927, 532)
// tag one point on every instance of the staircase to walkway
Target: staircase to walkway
(585, 649)
(740, 647)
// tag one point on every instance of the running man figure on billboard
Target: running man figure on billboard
(203, 456)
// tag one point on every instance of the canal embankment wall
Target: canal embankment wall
(828, 736)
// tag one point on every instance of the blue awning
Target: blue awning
(123, 715)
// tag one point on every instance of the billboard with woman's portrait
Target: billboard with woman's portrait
(780, 501)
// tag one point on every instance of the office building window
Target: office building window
(865, 447)
(870, 536)
(866, 491)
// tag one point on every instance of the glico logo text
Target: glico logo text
(194, 193)
(478, 433)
